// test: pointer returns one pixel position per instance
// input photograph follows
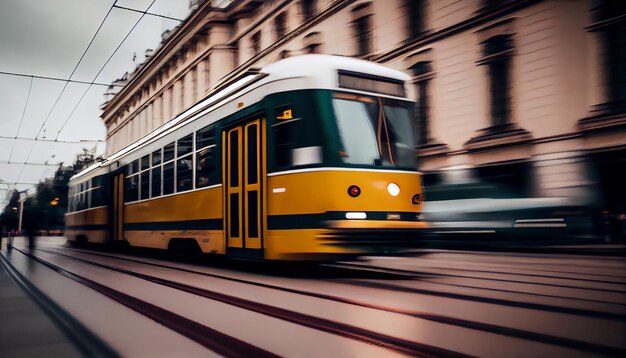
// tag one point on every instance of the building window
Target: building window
(283, 54)
(415, 14)
(492, 4)
(256, 42)
(280, 26)
(497, 56)
(611, 26)
(194, 83)
(236, 54)
(423, 73)
(207, 79)
(615, 44)
(362, 24)
(313, 43)
(181, 103)
(308, 9)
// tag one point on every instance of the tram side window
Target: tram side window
(168, 152)
(98, 181)
(97, 199)
(134, 167)
(283, 137)
(156, 157)
(205, 166)
(168, 178)
(184, 163)
(131, 188)
(145, 184)
(156, 181)
(155, 172)
(184, 173)
(205, 157)
(184, 145)
(145, 162)
(297, 139)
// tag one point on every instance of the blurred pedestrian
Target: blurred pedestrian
(30, 222)
(1, 230)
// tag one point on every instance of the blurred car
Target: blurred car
(471, 212)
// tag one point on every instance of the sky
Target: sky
(74, 40)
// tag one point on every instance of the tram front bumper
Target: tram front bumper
(373, 235)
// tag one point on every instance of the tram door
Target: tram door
(243, 176)
(117, 214)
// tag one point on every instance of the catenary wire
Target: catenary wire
(102, 69)
(19, 127)
(148, 13)
(56, 79)
(55, 141)
(66, 84)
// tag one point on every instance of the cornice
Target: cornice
(165, 52)
(335, 7)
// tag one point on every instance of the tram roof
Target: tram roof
(325, 68)
(316, 70)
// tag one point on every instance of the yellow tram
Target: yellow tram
(310, 158)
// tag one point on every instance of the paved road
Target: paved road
(432, 303)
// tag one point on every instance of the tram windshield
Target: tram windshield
(374, 131)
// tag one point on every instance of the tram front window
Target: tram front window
(371, 136)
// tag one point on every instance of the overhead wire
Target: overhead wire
(54, 141)
(66, 84)
(56, 79)
(148, 13)
(103, 67)
(34, 164)
(19, 127)
(93, 82)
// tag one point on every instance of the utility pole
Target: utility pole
(22, 199)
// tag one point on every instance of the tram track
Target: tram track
(344, 330)
(84, 339)
(480, 326)
(467, 297)
(510, 273)
(407, 274)
(418, 274)
(212, 339)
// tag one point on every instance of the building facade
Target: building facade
(527, 93)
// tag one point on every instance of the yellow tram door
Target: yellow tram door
(243, 178)
(117, 215)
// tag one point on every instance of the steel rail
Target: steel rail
(88, 343)
(486, 327)
(536, 306)
(416, 273)
(210, 338)
(322, 324)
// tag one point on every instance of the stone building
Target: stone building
(527, 93)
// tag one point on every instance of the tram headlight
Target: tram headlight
(393, 189)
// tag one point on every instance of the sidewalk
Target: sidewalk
(25, 329)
